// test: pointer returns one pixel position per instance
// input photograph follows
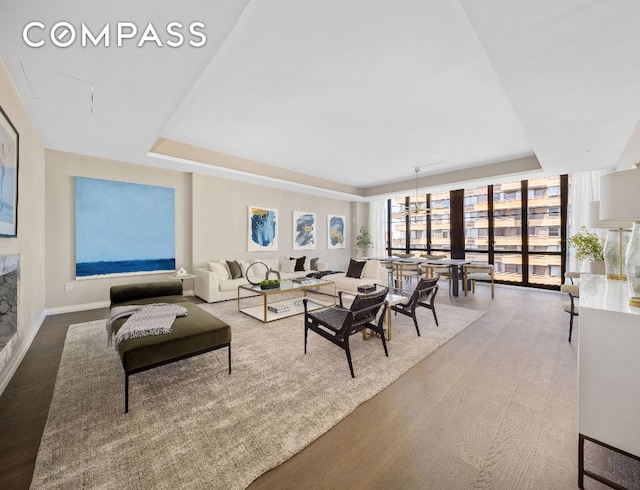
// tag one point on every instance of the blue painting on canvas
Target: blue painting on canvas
(263, 228)
(123, 228)
(336, 231)
(304, 230)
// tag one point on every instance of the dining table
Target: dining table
(454, 264)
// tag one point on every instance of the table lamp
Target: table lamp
(620, 200)
(615, 246)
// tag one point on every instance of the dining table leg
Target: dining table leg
(455, 280)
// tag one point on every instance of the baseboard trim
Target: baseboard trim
(73, 308)
(13, 365)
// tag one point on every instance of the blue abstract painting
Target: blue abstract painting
(123, 228)
(263, 229)
(335, 231)
(304, 231)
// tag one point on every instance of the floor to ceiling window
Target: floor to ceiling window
(518, 226)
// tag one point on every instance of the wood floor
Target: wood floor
(496, 407)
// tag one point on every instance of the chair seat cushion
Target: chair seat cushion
(567, 306)
(479, 277)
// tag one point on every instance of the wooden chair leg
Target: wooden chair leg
(464, 283)
(492, 294)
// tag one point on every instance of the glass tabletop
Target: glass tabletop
(288, 285)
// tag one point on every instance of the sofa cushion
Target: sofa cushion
(244, 265)
(220, 269)
(299, 266)
(234, 269)
(355, 268)
(288, 265)
(232, 284)
(270, 263)
(371, 269)
(314, 263)
(193, 333)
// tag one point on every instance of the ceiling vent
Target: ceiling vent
(58, 88)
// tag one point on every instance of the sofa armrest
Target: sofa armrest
(206, 284)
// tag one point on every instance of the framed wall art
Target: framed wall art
(9, 159)
(123, 228)
(304, 231)
(262, 229)
(336, 231)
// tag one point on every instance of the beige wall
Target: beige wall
(220, 221)
(30, 241)
(61, 168)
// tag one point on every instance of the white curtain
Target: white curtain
(584, 187)
(377, 213)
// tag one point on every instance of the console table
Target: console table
(608, 371)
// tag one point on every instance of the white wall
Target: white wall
(220, 228)
(61, 168)
(31, 231)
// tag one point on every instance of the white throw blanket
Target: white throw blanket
(152, 319)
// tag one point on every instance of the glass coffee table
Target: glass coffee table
(274, 307)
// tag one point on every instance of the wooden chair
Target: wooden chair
(406, 271)
(423, 295)
(337, 323)
(573, 305)
(477, 272)
(431, 270)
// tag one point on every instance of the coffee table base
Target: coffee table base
(290, 307)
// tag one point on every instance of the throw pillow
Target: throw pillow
(244, 265)
(355, 268)
(299, 263)
(371, 269)
(314, 264)
(270, 263)
(234, 269)
(288, 266)
(220, 270)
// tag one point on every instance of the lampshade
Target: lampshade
(620, 195)
(619, 200)
(595, 220)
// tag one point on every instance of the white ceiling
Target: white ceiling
(358, 92)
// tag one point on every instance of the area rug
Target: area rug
(192, 425)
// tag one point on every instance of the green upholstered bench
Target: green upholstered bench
(194, 334)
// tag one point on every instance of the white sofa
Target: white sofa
(373, 273)
(213, 284)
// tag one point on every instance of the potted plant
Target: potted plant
(589, 246)
(363, 241)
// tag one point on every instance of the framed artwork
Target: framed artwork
(336, 231)
(304, 231)
(9, 159)
(262, 229)
(123, 228)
